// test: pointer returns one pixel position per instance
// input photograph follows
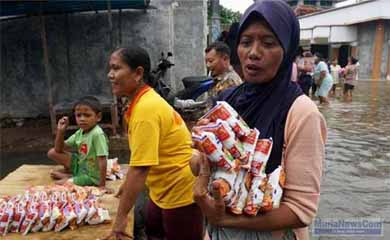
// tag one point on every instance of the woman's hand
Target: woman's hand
(63, 124)
(212, 207)
(120, 190)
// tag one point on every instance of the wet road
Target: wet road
(356, 180)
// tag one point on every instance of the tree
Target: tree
(228, 16)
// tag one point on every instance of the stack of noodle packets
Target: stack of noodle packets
(114, 171)
(238, 160)
(51, 208)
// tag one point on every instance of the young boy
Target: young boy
(88, 165)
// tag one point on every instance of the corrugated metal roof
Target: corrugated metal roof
(13, 8)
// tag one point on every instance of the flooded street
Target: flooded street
(356, 180)
(356, 177)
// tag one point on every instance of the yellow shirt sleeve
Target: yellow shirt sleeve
(144, 143)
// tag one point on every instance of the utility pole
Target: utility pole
(215, 20)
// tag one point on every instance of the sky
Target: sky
(236, 5)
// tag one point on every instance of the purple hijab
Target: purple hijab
(265, 106)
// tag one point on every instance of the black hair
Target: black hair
(319, 55)
(220, 47)
(231, 42)
(354, 60)
(89, 101)
(134, 57)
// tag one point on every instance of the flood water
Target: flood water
(356, 177)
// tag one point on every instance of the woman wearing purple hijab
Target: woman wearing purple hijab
(268, 39)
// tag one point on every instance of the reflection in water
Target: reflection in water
(356, 179)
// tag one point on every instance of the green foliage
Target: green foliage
(228, 16)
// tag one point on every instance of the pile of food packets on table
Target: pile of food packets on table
(51, 208)
(114, 171)
(238, 160)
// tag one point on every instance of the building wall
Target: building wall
(366, 40)
(79, 46)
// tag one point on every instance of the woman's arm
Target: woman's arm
(102, 161)
(133, 185)
(214, 208)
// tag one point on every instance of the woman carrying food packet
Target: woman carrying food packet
(268, 40)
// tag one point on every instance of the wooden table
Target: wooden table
(32, 175)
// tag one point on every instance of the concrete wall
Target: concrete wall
(79, 46)
(366, 40)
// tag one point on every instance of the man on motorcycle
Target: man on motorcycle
(218, 63)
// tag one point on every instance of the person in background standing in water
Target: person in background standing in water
(306, 69)
(335, 72)
(350, 72)
(325, 81)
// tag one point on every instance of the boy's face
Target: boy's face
(86, 118)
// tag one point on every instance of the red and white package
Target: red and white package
(19, 215)
(55, 217)
(225, 112)
(6, 216)
(68, 218)
(44, 214)
(100, 216)
(91, 207)
(228, 138)
(262, 153)
(81, 211)
(226, 180)
(241, 188)
(208, 143)
(249, 144)
(274, 189)
(31, 217)
(256, 195)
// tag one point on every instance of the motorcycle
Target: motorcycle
(184, 101)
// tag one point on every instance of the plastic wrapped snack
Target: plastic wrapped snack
(29, 220)
(68, 218)
(100, 216)
(81, 211)
(226, 180)
(256, 195)
(19, 215)
(224, 111)
(241, 188)
(249, 144)
(228, 138)
(208, 143)
(45, 213)
(274, 189)
(6, 215)
(262, 153)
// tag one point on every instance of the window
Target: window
(326, 3)
(292, 3)
(309, 2)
